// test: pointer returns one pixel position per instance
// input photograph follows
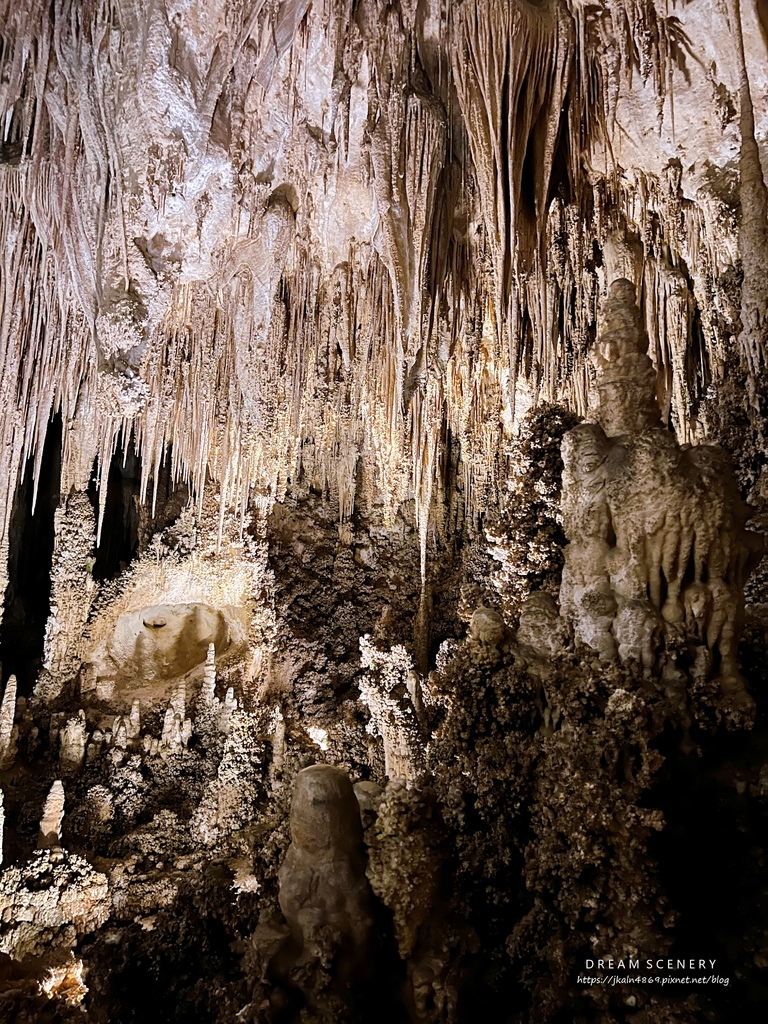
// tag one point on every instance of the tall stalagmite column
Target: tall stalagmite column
(753, 227)
(72, 585)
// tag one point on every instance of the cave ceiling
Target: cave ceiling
(275, 242)
(383, 510)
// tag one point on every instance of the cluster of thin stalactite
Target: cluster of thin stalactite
(393, 367)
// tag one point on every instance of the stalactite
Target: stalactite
(511, 67)
(336, 267)
(753, 225)
(212, 305)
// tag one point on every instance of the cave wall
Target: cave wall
(389, 632)
(330, 242)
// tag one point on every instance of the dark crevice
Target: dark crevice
(30, 557)
(712, 865)
(560, 176)
(170, 497)
(119, 540)
(128, 525)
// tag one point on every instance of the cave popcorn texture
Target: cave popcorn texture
(338, 338)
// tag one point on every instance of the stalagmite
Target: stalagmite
(179, 701)
(654, 528)
(208, 688)
(119, 734)
(338, 339)
(133, 725)
(72, 585)
(324, 894)
(177, 728)
(53, 814)
(7, 729)
(225, 711)
(384, 689)
(171, 739)
(73, 739)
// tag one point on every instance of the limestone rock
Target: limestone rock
(541, 628)
(53, 815)
(7, 716)
(51, 901)
(657, 537)
(324, 893)
(73, 739)
(626, 380)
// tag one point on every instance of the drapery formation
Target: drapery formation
(299, 246)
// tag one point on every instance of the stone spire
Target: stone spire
(658, 550)
(626, 379)
(53, 815)
(7, 715)
(208, 690)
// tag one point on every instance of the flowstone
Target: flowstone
(658, 550)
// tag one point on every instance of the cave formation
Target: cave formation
(383, 506)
